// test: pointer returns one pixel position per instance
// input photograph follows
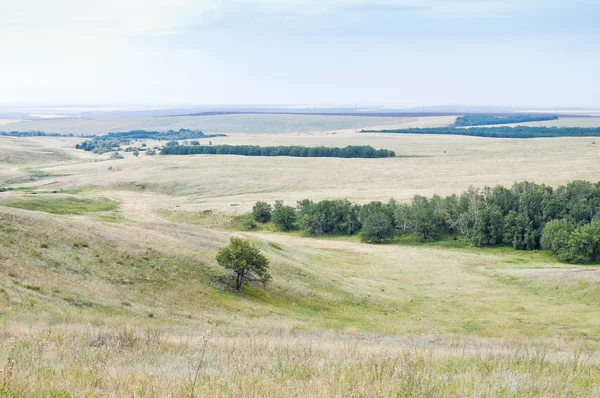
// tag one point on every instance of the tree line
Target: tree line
(501, 131)
(483, 119)
(296, 151)
(31, 134)
(527, 216)
(109, 142)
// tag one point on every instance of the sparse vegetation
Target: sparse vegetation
(110, 141)
(67, 205)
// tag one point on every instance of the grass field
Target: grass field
(109, 285)
(261, 124)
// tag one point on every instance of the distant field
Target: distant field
(424, 165)
(261, 124)
(110, 287)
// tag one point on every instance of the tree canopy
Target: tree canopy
(261, 212)
(246, 261)
(526, 216)
(295, 151)
(479, 119)
(106, 143)
(501, 131)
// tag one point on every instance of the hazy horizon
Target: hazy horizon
(519, 54)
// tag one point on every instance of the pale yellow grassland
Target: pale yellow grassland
(424, 165)
(265, 124)
(137, 306)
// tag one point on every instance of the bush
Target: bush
(328, 217)
(584, 245)
(489, 227)
(377, 228)
(284, 217)
(555, 236)
(261, 212)
(248, 225)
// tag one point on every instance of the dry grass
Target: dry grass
(438, 164)
(264, 124)
(126, 308)
(82, 360)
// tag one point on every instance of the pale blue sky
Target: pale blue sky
(528, 53)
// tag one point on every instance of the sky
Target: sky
(518, 53)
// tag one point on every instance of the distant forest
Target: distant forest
(31, 134)
(295, 151)
(501, 131)
(482, 119)
(527, 216)
(108, 142)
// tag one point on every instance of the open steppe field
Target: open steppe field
(118, 292)
(228, 123)
(424, 165)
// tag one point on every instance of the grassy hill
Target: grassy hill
(82, 298)
(109, 285)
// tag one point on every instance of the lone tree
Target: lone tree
(262, 212)
(246, 260)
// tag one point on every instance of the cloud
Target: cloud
(443, 7)
(109, 17)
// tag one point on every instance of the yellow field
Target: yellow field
(131, 302)
(424, 165)
(264, 124)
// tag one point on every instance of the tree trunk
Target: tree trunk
(238, 281)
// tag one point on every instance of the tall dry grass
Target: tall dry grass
(82, 360)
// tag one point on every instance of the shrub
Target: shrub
(284, 217)
(377, 228)
(261, 212)
(248, 225)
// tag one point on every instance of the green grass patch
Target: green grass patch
(516, 260)
(245, 222)
(66, 206)
(203, 218)
(275, 246)
(33, 175)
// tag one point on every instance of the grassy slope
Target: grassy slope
(324, 322)
(129, 307)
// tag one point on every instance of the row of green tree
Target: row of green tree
(297, 151)
(109, 142)
(480, 119)
(527, 216)
(501, 131)
(31, 134)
